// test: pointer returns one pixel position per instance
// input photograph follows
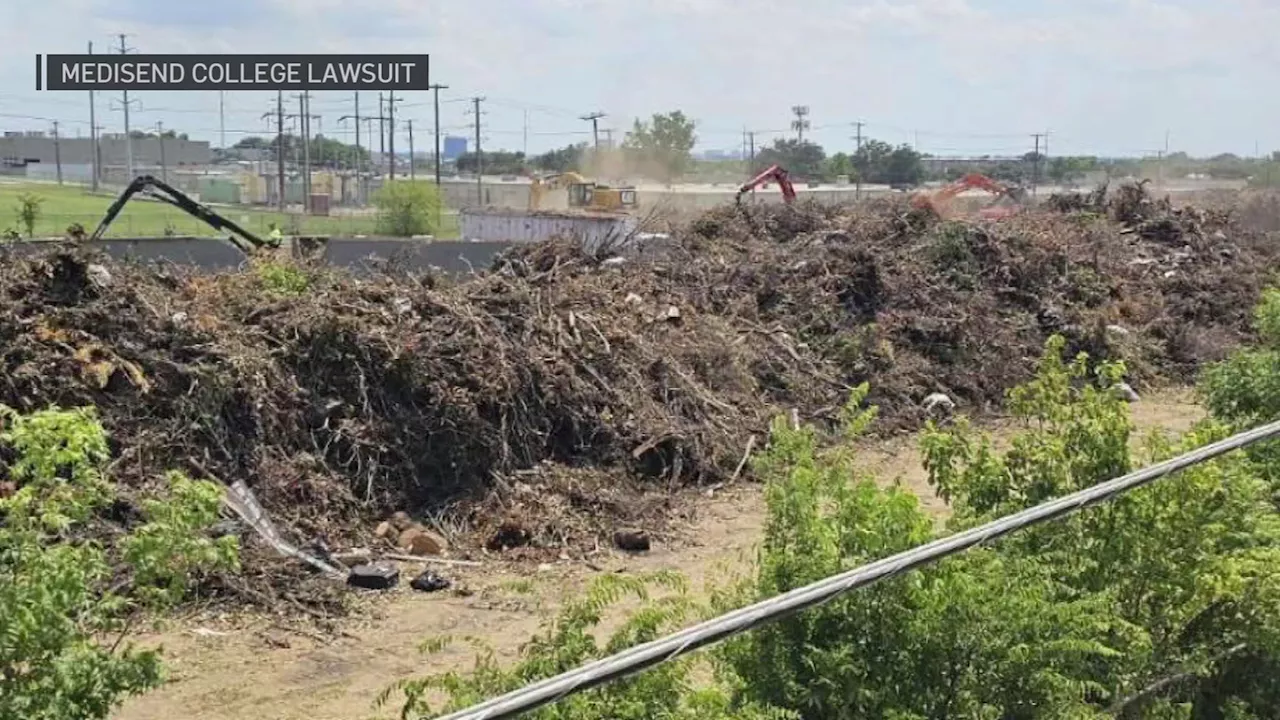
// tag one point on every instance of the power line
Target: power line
(711, 631)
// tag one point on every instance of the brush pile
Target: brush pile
(567, 392)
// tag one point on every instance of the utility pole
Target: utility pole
(412, 175)
(128, 137)
(436, 90)
(222, 121)
(1035, 164)
(57, 151)
(164, 167)
(391, 132)
(479, 155)
(382, 132)
(525, 149)
(357, 163)
(279, 116)
(801, 123)
(594, 119)
(304, 129)
(93, 134)
(857, 176)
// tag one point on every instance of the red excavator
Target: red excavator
(1009, 198)
(775, 173)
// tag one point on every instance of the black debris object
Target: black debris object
(376, 576)
(430, 581)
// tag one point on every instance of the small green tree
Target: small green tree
(64, 622)
(667, 691)
(664, 143)
(407, 207)
(29, 207)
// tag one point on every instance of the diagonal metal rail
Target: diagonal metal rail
(711, 631)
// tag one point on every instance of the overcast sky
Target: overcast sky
(957, 76)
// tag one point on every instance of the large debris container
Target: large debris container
(593, 229)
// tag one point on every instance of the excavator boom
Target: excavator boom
(971, 181)
(246, 242)
(775, 173)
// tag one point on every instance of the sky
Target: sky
(952, 77)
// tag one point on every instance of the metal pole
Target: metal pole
(128, 137)
(391, 134)
(412, 176)
(164, 167)
(437, 89)
(358, 163)
(479, 156)
(57, 151)
(93, 133)
(280, 145)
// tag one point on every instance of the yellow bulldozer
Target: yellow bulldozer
(584, 194)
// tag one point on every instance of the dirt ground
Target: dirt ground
(273, 669)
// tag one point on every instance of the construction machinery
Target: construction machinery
(774, 173)
(246, 241)
(1009, 198)
(584, 194)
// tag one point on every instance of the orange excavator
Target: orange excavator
(775, 173)
(1009, 198)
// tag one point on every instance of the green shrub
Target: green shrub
(64, 622)
(28, 210)
(666, 691)
(407, 207)
(283, 279)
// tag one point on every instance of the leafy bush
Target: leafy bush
(566, 642)
(29, 211)
(64, 615)
(950, 640)
(407, 208)
(1163, 603)
(281, 278)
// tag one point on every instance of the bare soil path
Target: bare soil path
(224, 668)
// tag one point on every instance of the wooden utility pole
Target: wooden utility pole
(594, 119)
(412, 175)
(479, 155)
(857, 176)
(391, 133)
(436, 89)
(382, 131)
(93, 134)
(57, 151)
(164, 166)
(279, 118)
(1035, 164)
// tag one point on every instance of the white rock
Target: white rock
(1126, 392)
(614, 262)
(1118, 330)
(939, 400)
(99, 274)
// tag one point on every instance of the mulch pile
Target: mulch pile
(568, 394)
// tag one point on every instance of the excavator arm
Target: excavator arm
(246, 242)
(971, 181)
(777, 174)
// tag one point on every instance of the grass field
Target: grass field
(65, 205)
